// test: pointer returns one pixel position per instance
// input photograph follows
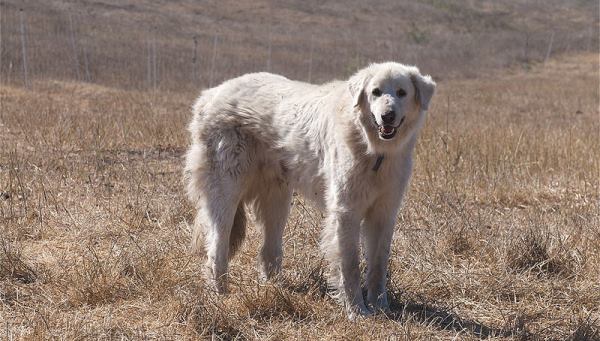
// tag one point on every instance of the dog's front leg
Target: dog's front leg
(341, 247)
(377, 231)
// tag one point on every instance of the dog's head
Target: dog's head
(392, 100)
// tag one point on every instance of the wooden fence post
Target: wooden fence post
(148, 63)
(24, 50)
(194, 61)
(154, 68)
(86, 64)
(213, 61)
(269, 50)
(310, 57)
(549, 48)
(74, 47)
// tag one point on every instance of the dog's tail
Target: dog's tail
(238, 230)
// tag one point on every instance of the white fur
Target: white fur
(259, 137)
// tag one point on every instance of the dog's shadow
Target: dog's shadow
(405, 309)
(443, 319)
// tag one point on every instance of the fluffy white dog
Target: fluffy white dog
(347, 145)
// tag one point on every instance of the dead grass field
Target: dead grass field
(499, 236)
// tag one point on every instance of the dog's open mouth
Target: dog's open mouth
(387, 132)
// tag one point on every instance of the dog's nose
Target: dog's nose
(389, 116)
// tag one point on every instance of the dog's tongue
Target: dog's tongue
(386, 130)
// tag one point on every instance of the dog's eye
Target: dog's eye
(401, 93)
(376, 92)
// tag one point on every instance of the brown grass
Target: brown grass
(499, 236)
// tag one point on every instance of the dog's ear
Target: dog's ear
(424, 89)
(356, 85)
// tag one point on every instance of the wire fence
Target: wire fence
(86, 47)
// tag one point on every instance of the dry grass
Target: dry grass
(499, 236)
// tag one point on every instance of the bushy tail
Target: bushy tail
(238, 230)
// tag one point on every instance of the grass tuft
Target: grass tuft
(13, 266)
(530, 253)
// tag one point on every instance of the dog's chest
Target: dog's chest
(359, 185)
(310, 185)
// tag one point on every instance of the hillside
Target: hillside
(146, 44)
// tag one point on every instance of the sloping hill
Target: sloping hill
(185, 43)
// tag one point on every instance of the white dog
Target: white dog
(347, 145)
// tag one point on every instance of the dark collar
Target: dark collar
(378, 163)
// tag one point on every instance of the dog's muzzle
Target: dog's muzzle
(388, 131)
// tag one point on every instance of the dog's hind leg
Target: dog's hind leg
(215, 172)
(238, 230)
(271, 208)
(216, 216)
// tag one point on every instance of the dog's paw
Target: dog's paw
(358, 311)
(380, 303)
(385, 309)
